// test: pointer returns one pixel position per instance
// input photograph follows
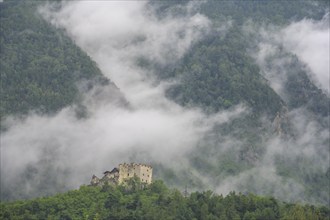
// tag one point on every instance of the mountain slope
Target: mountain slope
(278, 145)
(221, 71)
(40, 66)
(217, 74)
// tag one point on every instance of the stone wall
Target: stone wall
(124, 172)
(142, 171)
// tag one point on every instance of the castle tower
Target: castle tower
(142, 171)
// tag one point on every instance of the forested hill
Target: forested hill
(40, 66)
(158, 202)
(221, 98)
(219, 71)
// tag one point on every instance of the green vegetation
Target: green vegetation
(156, 201)
(218, 73)
(275, 12)
(40, 66)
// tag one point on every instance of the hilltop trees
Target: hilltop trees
(156, 201)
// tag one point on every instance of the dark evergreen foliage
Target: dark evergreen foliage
(218, 73)
(156, 201)
(40, 66)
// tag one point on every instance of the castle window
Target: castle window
(148, 175)
(128, 174)
(143, 174)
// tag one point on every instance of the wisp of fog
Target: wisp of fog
(64, 151)
(43, 154)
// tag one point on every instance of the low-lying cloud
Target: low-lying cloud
(65, 151)
(307, 39)
(44, 153)
(287, 163)
(116, 33)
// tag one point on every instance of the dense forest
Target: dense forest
(278, 146)
(219, 72)
(155, 201)
(41, 68)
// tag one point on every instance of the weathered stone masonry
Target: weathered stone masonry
(123, 173)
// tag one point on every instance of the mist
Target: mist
(133, 121)
(63, 151)
(307, 39)
(306, 151)
(305, 155)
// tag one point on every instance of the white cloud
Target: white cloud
(116, 33)
(151, 129)
(310, 41)
(307, 39)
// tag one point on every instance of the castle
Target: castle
(123, 173)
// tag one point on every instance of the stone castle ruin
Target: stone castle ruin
(124, 172)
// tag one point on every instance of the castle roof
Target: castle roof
(114, 170)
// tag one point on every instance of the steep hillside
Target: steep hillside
(41, 67)
(222, 70)
(217, 74)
